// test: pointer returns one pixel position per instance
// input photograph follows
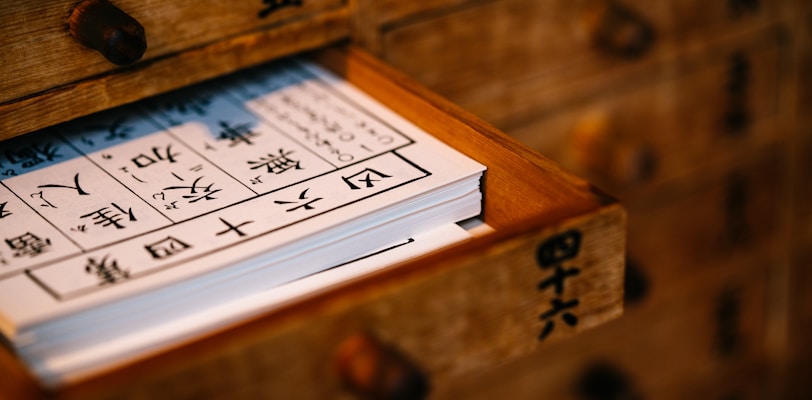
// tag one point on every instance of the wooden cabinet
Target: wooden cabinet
(444, 315)
(695, 115)
(513, 59)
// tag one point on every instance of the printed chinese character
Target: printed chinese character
(366, 178)
(107, 272)
(559, 248)
(117, 130)
(33, 155)
(557, 280)
(302, 196)
(233, 228)
(79, 228)
(196, 192)
(158, 154)
(552, 253)
(41, 196)
(78, 187)
(197, 105)
(28, 244)
(276, 164)
(558, 306)
(106, 217)
(3, 212)
(166, 247)
(236, 134)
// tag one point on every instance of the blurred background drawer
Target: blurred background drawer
(507, 52)
(729, 218)
(695, 113)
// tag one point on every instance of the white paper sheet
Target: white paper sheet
(199, 188)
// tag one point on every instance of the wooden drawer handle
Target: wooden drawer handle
(636, 284)
(602, 379)
(103, 27)
(615, 29)
(377, 371)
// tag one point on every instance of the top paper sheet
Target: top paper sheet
(141, 197)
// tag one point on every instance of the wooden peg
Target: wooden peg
(377, 371)
(616, 29)
(101, 26)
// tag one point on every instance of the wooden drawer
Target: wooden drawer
(708, 345)
(728, 218)
(393, 11)
(473, 56)
(49, 77)
(696, 113)
(452, 313)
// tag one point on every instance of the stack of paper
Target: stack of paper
(128, 231)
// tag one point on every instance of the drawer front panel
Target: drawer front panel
(39, 52)
(488, 68)
(708, 346)
(695, 115)
(485, 309)
(733, 217)
(391, 11)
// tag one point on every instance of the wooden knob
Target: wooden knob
(599, 149)
(604, 380)
(616, 29)
(636, 285)
(376, 371)
(103, 27)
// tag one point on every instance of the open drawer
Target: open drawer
(419, 325)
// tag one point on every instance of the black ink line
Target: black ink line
(42, 284)
(395, 246)
(412, 163)
(235, 99)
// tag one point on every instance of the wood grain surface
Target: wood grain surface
(453, 312)
(66, 97)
